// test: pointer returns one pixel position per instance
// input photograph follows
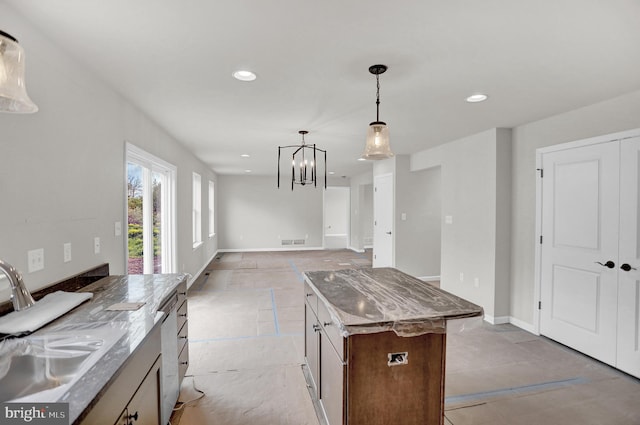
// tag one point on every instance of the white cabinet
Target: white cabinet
(135, 389)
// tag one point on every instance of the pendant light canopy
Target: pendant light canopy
(304, 163)
(377, 146)
(13, 94)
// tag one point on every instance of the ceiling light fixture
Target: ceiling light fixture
(245, 155)
(304, 163)
(13, 94)
(377, 146)
(475, 98)
(244, 75)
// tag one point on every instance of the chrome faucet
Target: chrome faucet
(20, 296)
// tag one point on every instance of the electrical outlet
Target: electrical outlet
(117, 228)
(461, 277)
(476, 282)
(35, 260)
(96, 245)
(67, 252)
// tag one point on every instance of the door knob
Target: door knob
(610, 264)
(627, 267)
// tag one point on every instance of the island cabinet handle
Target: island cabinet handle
(327, 324)
(184, 363)
(182, 315)
(310, 294)
(316, 328)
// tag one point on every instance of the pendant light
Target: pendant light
(377, 146)
(304, 163)
(13, 94)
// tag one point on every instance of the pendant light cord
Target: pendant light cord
(377, 97)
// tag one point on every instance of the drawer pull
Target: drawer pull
(397, 359)
(316, 328)
(184, 363)
(182, 315)
(325, 324)
(309, 295)
(183, 337)
(182, 293)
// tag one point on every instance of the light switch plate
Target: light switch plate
(35, 260)
(96, 245)
(117, 228)
(448, 219)
(67, 252)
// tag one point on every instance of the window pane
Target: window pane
(157, 222)
(212, 228)
(135, 263)
(197, 209)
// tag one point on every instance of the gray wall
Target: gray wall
(254, 214)
(417, 243)
(62, 177)
(618, 114)
(472, 243)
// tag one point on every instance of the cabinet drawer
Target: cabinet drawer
(331, 330)
(182, 291)
(182, 314)
(311, 298)
(183, 335)
(183, 362)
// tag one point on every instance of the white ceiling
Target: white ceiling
(174, 60)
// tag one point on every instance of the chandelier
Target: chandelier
(304, 163)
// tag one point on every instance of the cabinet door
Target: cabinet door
(311, 345)
(144, 407)
(628, 354)
(331, 382)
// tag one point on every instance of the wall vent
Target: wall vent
(292, 241)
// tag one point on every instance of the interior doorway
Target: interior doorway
(337, 201)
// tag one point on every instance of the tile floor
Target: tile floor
(246, 324)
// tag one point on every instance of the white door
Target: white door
(336, 217)
(383, 221)
(629, 260)
(580, 248)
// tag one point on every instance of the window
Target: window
(197, 210)
(212, 214)
(151, 210)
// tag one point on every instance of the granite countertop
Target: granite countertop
(372, 300)
(130, 327)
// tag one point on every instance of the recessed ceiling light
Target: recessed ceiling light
(245, 155)
(332, 172)
(474, 98)
(244, 75)
(361, 159)
(247, 171)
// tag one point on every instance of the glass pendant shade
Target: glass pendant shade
(377, 146)
(13, 94)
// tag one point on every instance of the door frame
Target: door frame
(393, 215)
(169, 241)
(538, 221)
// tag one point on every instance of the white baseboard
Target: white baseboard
(501, 320)
(428, 278)
(356, 249)
(523, 325)
(192, 279)
(291, 248)
(368, 247)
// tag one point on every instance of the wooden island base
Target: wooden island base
(365, 390)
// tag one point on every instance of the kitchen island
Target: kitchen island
(375, 343)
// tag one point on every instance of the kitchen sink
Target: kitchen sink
(43, 367)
